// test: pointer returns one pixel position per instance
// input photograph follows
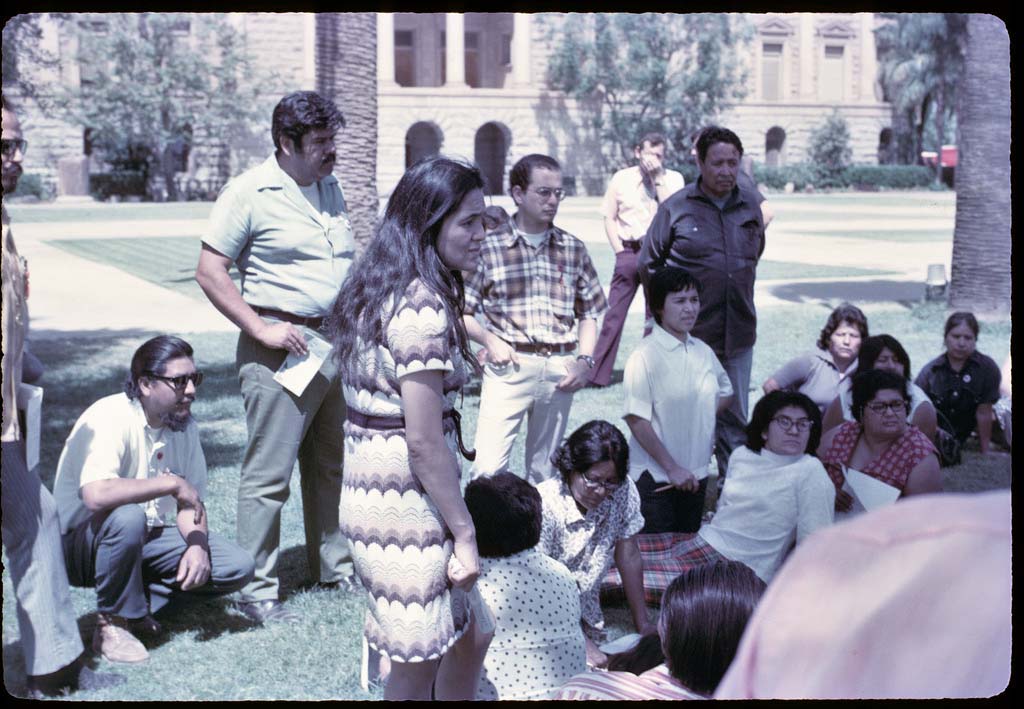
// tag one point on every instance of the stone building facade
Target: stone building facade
(473, 85)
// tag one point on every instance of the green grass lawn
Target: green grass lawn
(901, 235)
(209, 652)
(36, 213)
(170, 261)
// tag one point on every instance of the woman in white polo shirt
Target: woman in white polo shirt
(674, 387)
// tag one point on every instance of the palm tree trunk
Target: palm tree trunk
(981, 240)
(346, 71)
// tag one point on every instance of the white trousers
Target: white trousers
(507, 395)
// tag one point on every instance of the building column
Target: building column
(808, 91)
(455, 50)
(309, 51)
(385, 49)
(521, 49)
(868, 58)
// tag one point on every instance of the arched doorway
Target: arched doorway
(490, 148)
(774, 140)
(886, 147)
(422, 140)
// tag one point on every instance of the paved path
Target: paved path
(71, 294)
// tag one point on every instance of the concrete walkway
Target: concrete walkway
(70, 294)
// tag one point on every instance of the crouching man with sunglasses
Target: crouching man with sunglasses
(129, 490)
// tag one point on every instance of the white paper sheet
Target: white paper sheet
(296, 372)
(626, 642)
(868, 493)
(30, 399)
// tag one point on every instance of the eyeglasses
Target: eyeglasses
(546, 192)
(802, 425)
(10, 146)
(600, 484)
(179, 383)
(899, 406)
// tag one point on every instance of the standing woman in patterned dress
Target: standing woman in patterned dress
(398, 334)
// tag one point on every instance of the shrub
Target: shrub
(777, 177)
(895, 177)
(32, 184)
(829, 150)
(117, 182)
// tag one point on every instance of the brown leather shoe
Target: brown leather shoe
(115, 642)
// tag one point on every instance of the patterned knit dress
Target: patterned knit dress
(399, 542)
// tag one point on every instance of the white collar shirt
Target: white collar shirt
(112, 439)
(631, 204)
(676, 386)
(291, 255)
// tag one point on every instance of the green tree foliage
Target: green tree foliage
(23, 52)
(634, 73)
(920, 61)
(829, 150)
(153, 78)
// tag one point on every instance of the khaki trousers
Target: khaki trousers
(507, 396)
(284, 428)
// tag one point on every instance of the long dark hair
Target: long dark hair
(404, 248)
(703, 614)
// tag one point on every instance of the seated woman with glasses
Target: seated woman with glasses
(880, 442)
(591, 514)
(884, 352)
(776, 493)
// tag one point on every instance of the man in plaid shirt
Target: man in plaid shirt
(539, 296)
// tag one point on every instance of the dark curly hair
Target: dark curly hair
(404, 248)
(592, 443)
(845, 313)
(300, 112)
(868, 383)
(769, 405)
(506, 512)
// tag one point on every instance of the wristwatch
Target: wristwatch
(588, 359)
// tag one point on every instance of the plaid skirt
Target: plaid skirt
(665, 557)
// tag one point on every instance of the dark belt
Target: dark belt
(543, 350)
(632, 244)
(390, 423)
(311, 323)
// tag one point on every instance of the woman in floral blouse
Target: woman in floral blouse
(591, 514)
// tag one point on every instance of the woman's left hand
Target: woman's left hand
(464, 565)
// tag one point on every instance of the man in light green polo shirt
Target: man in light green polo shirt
(284, 225)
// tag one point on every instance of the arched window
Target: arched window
(774, 140)
(490, 149)
(422, 140)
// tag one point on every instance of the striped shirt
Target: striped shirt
(625, 686)
(534, 295)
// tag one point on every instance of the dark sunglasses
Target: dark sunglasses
(179, 383)
(12, 145)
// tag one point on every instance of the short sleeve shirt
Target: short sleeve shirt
(654, 684)
(534, 295)
(631, 204)
(111, 440)
(676, 386)
(291, 255)
(538, 643)
(586, 543)
(814, 374)
(957, 395)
